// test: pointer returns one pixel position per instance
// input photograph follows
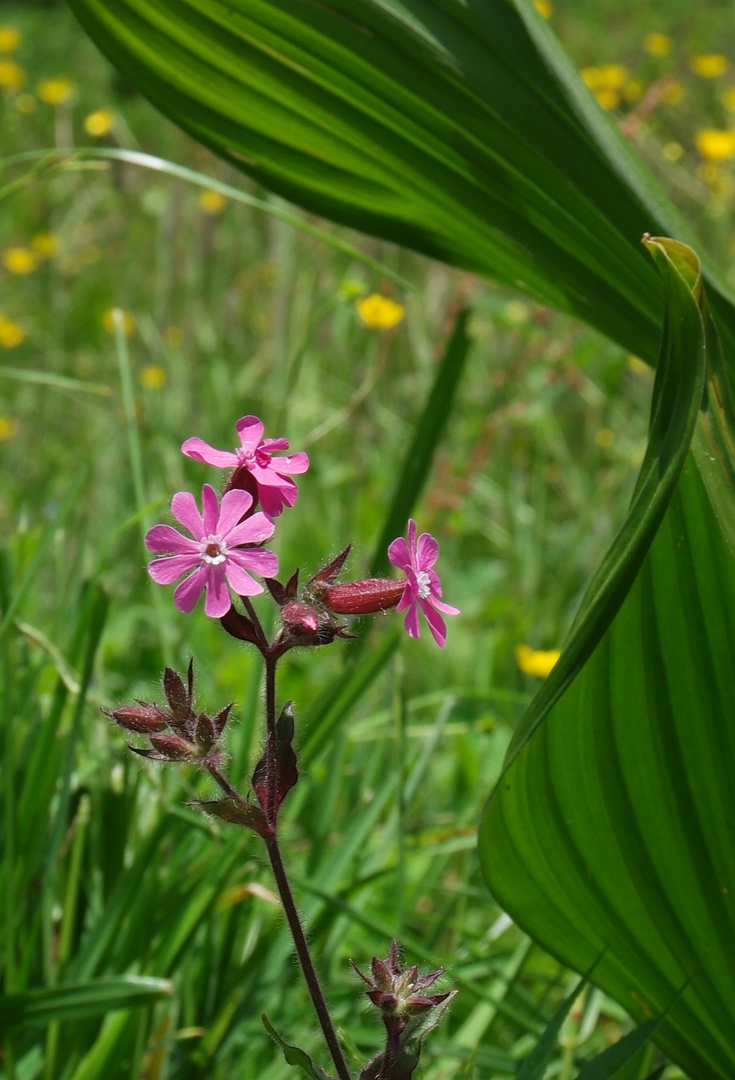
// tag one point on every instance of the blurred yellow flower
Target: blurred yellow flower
(607, 99)
(152, 377)
(728, 98)
(99, 123)
(517, 312)
(605, 76)
(708, 65)
(11, 334)
(10, 39)
(211, 202)
(8, 428)
(538, 662)
(633, 90)
(672, 93)
(128, 322)
(173, 337)
(604, 437)
(25, 103)
(12, 75)
(45, 245)
(379, 312)
(657, 44)
(715, 144)
(673, 151)
(55, 91)
(544, 7)
(19, 260)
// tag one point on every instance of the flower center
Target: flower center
(258, 456)
(213, 550)
(423, 583)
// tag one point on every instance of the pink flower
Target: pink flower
(422, 589)
(217, 555)
(255, 457)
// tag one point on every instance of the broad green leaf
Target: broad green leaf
(609, 828)
(456, 127)
(37, 1008)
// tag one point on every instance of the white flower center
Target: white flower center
(424, 584)
(213, 550)
(246, 457)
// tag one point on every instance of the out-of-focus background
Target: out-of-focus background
(228, 310)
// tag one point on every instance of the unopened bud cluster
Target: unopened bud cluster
(178, 732)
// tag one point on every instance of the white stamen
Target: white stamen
(213, 550)
(424, 583)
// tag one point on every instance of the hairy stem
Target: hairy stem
(271, 741)
(302, 951)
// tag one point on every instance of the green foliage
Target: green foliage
(105, 876)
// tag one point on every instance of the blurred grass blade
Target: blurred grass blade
(607, 1064)
(610, 824)
(81, 157)
(37, 1008)
(420, 455)
(41, 552)
(533, 1067)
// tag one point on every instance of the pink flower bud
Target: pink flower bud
(363, 597)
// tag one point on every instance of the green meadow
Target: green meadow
(233, 302)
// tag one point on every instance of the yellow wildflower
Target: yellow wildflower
(538, 662)
(12, 75)
(19, 260)
(128, 322)
(604, 437)
(25, 103)
(10, 39)
(714, 144)
(657, 44)
(607, 99)
(728, 98)
(8, 428)
(211, 202)
(379, 312)
(152, 376)
(173, 337)
(708, 65)
(55, 91)
(11, 334)
(544, 7)
(672, 93)
(605, 76)
(99, 123)
(45, 245)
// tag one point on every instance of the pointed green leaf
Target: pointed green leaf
(457, 128)
(295, 1056)
(533, 1067)
(610, 826)
(37, 1008)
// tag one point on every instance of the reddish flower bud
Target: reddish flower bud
(142, 718)
(174, 748)
(363, 597)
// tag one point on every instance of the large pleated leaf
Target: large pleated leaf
(456, 127)
(612, 826)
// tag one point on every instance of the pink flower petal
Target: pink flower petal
(253, 530)
(217, 602)
(411, 622)
(166, 539)
(427, 552)
(259, 560)
(412, 539)
(293, 463)
(250, 429)
(273, 500)
(210, 506)
(169, 569)
(235, 503)
(240, 580)
(440, 606)
(398, 554)
(201, 451)
(188, 592)
(269, 445)
(267, 475)
(184, 509)
(436, 623)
